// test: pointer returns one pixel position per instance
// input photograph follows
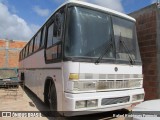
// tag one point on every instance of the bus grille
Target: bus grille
(110, 101)
(117, 84)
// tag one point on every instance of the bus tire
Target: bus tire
(47, 88)
(53, 99)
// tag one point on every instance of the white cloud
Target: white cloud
(41, 12)
(14, 27)
(153, 1)
(34, 27)
(11, 8)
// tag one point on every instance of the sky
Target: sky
(20, 19)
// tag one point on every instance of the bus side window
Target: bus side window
(20, 56)
(31, 47)
(37, 41)
(26, 54)
(43, 37)
(58, 24)
(54, 37)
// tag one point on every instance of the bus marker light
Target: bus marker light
(73, 76)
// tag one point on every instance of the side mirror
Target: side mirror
(57, 25)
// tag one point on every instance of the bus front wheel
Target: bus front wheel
(53, 98)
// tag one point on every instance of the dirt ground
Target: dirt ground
(23, 100)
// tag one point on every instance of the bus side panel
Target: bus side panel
(35, 81)
(37, 71)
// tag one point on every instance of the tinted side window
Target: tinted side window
(50, 35)
(55, 29)
(20, 55)
(31, 47)
(43, 37)
(26, 52)
(54, 36)
(37, 41)
(58, 26)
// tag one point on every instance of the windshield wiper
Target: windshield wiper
(131, 60)
(109, 45)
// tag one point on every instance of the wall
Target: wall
(9, 52)
(147, 36)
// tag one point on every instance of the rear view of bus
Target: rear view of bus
(90, 60)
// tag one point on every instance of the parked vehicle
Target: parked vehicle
(9, 77)
(148, 110)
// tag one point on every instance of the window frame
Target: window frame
(37, 39)
(43, 37)
(59, 43)
(65, 58)
(26, 50)
(31, 47)
(20, 55)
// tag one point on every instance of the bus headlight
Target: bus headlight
(136, 83)
(84, 86)
(137, 97)
(80, 104)
(92, 103)
(86, 103)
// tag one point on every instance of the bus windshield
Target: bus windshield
(125, 39)
(90, 32)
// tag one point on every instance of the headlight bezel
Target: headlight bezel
(86, 104)
(137, 97)
(82, 85)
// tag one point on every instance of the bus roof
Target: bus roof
(113, 12)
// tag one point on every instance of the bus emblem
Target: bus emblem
(116, 69)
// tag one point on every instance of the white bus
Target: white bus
(84, 58)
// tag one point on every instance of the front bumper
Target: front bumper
(70, 101)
